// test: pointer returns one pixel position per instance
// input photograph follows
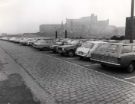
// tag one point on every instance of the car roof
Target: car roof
(89, 41)
(122, 43)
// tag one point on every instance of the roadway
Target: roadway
(71, 80)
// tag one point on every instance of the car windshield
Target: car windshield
(88, 45)
(58, 43)
(65, 42)
(74, 42)
(108, 47)
(41, 41)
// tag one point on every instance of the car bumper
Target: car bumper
(82, 55)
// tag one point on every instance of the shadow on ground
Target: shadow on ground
(14, 91)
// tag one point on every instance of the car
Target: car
(30, 41)
(27, 40)
(17, 40)
(85, 50)
(43, 44)
(54, 46)
(59, 42)
(14, 39)
(23, 40)
(69, 48)
(5, 38)
(115, 54)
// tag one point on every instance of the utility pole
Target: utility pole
(132, 21)
(56, 34)
(66, 34)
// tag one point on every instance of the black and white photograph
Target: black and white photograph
(67, 52)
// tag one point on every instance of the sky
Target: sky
(21, 16)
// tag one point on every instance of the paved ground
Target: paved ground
(14, 91)
(9, 66)
(69, 83)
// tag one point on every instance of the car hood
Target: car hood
(55, 45)
(83, 49)
(58, 43)
(41, 43)
(64, 46)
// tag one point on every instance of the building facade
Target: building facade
(83, 27)
(50, 29)
(86, 26)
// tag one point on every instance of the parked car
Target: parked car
(5, 38)
(24, 40)
(17, 40)
(116, 54)
(85, 50)
(43, 44)
(33, 40)
(14, 39)
(59, 42)
(54, 46)
(69, 48)
(30, 41)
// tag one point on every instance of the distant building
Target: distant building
(89, 27)
(50, 29)
(86, 26)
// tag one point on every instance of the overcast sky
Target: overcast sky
(18, 16)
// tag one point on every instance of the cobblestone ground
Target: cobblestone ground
(69, 83)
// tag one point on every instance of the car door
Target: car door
(127, 55)
(112, 53)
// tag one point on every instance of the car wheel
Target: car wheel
(130, 68)
(71, 53)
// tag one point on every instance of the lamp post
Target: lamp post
(132, 21)
(56, 34)
(66, 34)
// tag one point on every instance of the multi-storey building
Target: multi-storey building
(83, 27)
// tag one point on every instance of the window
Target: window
(88, 45)
(113, 48)
(126, 49)
(108, 48)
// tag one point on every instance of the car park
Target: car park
(43, 44)
(116, 54)
(85, 50)
(69, 48)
